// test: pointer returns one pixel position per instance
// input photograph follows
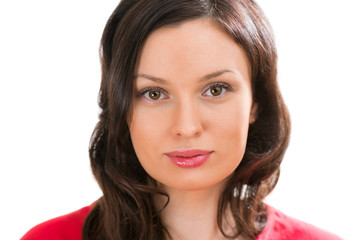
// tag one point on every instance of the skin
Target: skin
(178, 105)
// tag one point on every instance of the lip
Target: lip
(189, 158)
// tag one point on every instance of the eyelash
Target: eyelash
(223, 85)
(142, 92)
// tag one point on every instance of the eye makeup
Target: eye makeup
(212, 90)
(217, 89)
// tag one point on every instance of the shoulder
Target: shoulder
(66, 227)
(282, 227)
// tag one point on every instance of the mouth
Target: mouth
(189, 158)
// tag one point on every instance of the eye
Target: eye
(153, 94)
(217, 89)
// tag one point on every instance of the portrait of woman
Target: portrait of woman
(192, 129)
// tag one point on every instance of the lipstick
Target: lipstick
(189, 158)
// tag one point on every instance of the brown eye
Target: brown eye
(216, 90)
(154, 95)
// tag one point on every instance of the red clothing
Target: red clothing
(67, 227)
(282, 227)
(278, 227)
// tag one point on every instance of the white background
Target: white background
(50, 75)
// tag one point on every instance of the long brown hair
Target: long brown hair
(126, 210)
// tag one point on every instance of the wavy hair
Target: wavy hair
(126, 210)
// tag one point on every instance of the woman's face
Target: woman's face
(192, 105)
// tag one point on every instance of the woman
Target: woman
(192, 131)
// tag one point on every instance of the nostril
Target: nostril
(188, 132)
(187, 120)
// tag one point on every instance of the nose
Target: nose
(187, 121)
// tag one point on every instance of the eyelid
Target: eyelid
(145, 90)
(224, 85)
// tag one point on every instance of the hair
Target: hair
(126, 210)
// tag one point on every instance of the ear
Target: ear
(253, 113)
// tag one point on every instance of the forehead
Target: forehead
(191, 48)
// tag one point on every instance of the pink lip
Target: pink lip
(189, 158)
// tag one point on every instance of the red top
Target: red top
(278, 227)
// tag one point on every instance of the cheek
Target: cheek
(230, 128)
(146, 129)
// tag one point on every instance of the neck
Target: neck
(191, 214)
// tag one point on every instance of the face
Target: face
(192, 105)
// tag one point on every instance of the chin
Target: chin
(194, 183)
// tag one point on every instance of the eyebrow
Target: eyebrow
(215, 74)
(205, 78)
